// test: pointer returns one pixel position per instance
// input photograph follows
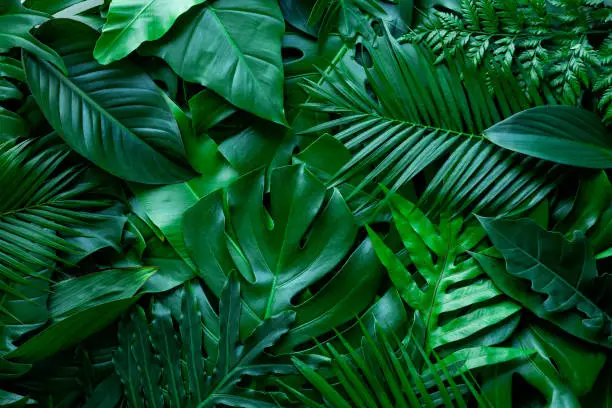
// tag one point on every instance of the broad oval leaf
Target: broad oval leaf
(562, 134)
(123, 123)
(132, 22)
(232, 47)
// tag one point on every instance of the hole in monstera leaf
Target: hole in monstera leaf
(363, 57)
(378, 27)
(291, 54)
(525, 394)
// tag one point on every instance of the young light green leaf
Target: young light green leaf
(132, 22)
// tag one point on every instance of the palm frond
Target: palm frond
(385, 373)
(42, 201)
(203, 363)
(411, 113)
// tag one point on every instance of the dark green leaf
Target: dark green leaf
(562, 134)
(125, 127)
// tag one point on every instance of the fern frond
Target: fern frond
(541, 42)
(448, 290)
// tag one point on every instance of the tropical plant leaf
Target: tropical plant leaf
(132, 22)
(555, 278)
(306, 234)
(12, 125)
(240, 61)
(381, 373)
(147, 359)
(395, 138)
(41, 204)
(15, 27)
(125, 120)
(562, 134)
(89, 311)
(550, 373)
(9, 91)
(455, 303)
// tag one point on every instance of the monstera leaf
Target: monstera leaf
(284, 250)
(124, 125)
(150, 356)
(457, 304)
(555, 278)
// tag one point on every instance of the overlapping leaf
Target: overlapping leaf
(306, 234)
(124, 125)
(240, 60)
(557, 279)
(456, 305)
(416, 113)
(132, 22)
(149, 357)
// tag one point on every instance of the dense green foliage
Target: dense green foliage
(305, 203)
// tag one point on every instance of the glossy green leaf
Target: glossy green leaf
(241, 58)
(9, 91)
(560, 371)
(74, 295)
(305, 234)
(555, 278)
(15, 27)
(454, 285)
(562, 134)
(11, 125)
(71, 331)
(132, 22)
(125, 127)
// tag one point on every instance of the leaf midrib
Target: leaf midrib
(240, 54)
(127, 26)
(88, 100)
(565, 282)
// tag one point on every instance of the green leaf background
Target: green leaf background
(305, 203)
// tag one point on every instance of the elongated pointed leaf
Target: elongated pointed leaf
(562, 134)
(124, 125)
(15, 28)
